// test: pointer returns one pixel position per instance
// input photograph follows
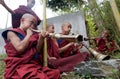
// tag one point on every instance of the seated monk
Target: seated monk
(23, 61)
(70, 47)
(65, 64)
(105, 44)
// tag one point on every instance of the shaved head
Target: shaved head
(49, 25)
(30, 3)
(27, 15)
(66, 28)
(28, 20)
(50, 28)
(66, 24)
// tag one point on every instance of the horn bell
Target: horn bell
(98, 56)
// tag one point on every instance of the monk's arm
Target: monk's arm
(42, 35)
(20, 45)
(40, 43)
(6, 7)
(62, 49)
(51, 57)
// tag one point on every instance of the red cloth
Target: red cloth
(21, 65)
(52, 48)
(18, 14)
(69, 51)
(65, 64)
(102, 45)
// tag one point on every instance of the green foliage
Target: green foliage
(109, 21)
(71, 76)
(2, 56)
(101, 17)
(91, 25)
(2, 66)
(64, 5)
(115, 75)
(118, 4)
(116, 54)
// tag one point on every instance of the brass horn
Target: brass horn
(72, 38)
(78, 38)
(97, 55)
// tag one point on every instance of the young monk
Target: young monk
(70, 49)
(17, 13)
(65, 64)
(23, 61)
(104, 44)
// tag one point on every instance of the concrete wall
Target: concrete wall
(76, 19)
(2, 50)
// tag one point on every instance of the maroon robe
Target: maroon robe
(69, 51)
(23, 65)
(18, 14)
(65, 64)
(102, 45)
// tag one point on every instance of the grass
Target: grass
(71, 75)
(2, 56)
(2, 65)
(116, 55)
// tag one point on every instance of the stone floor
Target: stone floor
(105, 68)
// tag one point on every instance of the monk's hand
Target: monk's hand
(29, 32)
(71, 43)
(44, 34)
(79, 46)
(86, 39)
(52, 58)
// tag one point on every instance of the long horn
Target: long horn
(72, 38)
(97, 55)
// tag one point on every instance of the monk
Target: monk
(23, 60)
(104, 44)
(65, 64)
(17, 13)
(71, 48)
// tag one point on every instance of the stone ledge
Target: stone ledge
(95, 68)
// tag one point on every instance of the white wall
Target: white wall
(76, 19)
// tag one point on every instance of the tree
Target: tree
(65, 6)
